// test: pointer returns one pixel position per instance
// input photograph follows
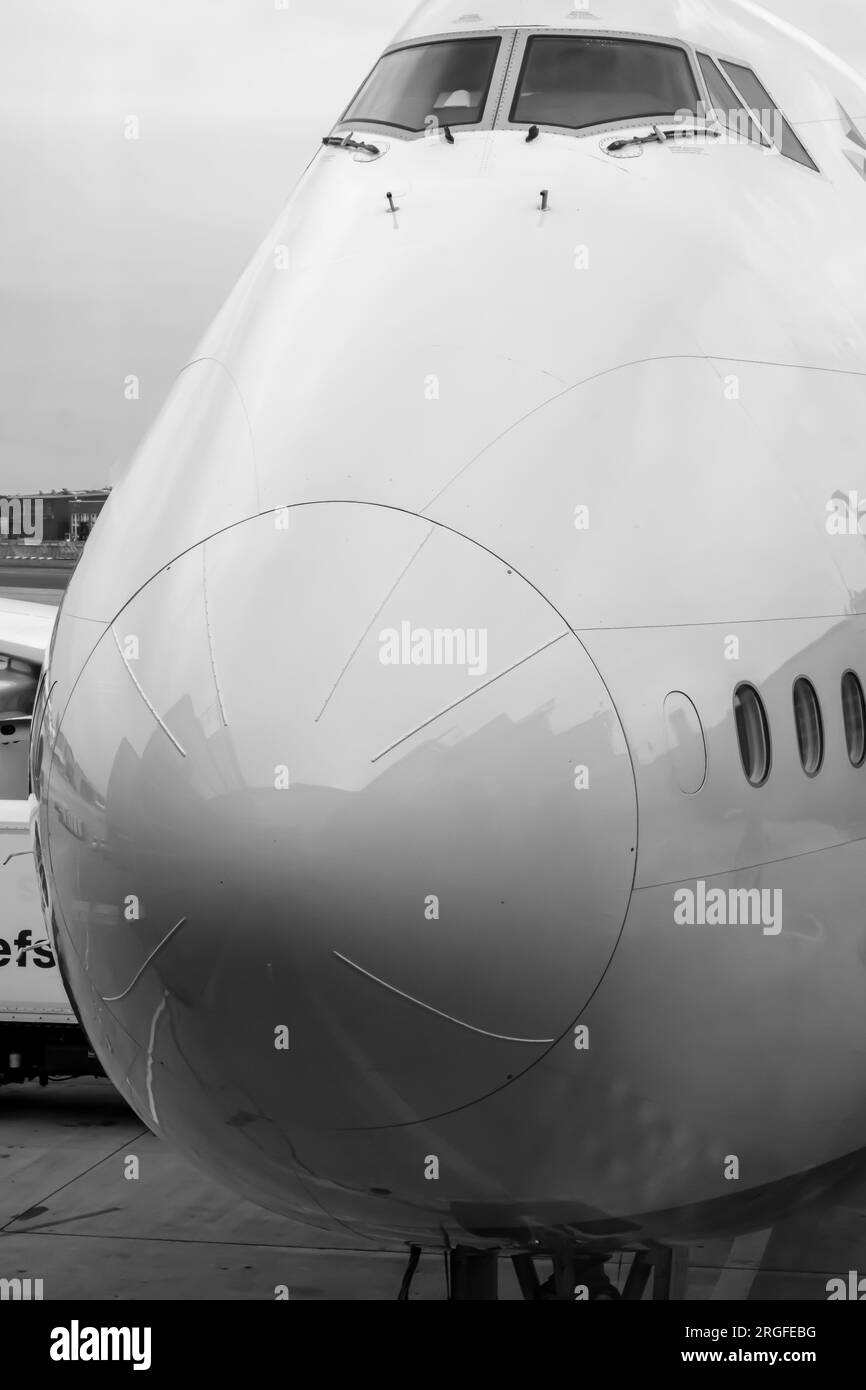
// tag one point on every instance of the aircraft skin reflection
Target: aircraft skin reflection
(370, 915)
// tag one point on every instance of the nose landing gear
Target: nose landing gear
(573, 1279)
(582, 1278)
(473, 1275)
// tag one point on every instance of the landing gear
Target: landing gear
(574, 1278)
(578, 1278)
(669, 1267)
(473, 1276)
(470, 1275)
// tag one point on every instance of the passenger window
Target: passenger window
(727, 107)
(768, 114)
(810, 727)
(854, 714)
(753, 734)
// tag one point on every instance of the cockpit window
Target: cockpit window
(768, 114)
(726, 106)
(577, 82)
(445, 80)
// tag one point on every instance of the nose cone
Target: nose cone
(340, 820)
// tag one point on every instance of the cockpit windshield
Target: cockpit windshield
(448, 81)
(575, 82)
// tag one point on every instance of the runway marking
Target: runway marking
(469, 695)
(159, 721)
(114, 998)
(499, 1037)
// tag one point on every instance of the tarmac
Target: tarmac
(69, 1217)
(34, 583)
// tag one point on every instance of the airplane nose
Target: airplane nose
(339, 813)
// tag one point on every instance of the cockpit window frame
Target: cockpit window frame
(771, 146)
(517, 68)
(491, 99)
(754, 134)
(508, 72)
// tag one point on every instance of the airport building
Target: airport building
(71, 515)
(53, 516)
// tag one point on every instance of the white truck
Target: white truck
(40, 1036)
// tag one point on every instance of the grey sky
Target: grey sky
(115, 254)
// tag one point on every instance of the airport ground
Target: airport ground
(34, 582)
(70, 1216)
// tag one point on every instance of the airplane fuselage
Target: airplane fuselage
(414, 855)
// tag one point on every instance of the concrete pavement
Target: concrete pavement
(70, 1217)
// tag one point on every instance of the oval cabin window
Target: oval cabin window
(854, 712)
(810, 728)
(753, 734)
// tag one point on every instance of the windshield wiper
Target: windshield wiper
(348, 143)
(662, 134)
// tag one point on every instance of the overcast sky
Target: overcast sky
(115, 254)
